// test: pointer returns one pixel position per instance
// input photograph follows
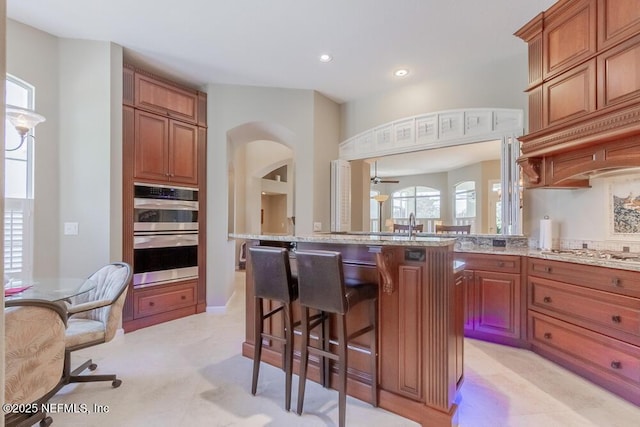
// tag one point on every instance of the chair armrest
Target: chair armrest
(87, 306)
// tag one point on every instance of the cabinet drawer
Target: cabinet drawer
(621, 282)
(603, 355)
(166, 99)
(153, 301)
(497, 263)
(599, 310)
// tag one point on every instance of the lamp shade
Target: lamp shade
(23, 119)
(381, 198)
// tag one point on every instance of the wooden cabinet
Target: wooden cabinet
(164, 143)
(584, 59)
(162, 299)
(493, 300)
(164, 98)
(587, 319)
(165, 149)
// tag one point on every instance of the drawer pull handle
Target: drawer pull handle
(546, 269)
(616, 319)
(547, 335)
(615, 282)
(546, 299)
(616, 365)
(151, 303)
(501, 264)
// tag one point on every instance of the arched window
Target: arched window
(465, 200)
(424, 202)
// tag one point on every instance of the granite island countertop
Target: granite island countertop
(403, 240)
(352, 239)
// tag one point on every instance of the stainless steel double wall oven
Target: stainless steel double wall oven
(165, 234)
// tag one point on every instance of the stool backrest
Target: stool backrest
(321, 280)
(271, 273)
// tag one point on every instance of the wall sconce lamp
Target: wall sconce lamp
(380, 198)
(23, 120)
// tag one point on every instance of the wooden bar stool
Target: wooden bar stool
(322, 287)
(272, 280)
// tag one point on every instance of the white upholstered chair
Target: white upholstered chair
(34, 358)
(94, 318)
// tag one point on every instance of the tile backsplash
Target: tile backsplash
(617, 246)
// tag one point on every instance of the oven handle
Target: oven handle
(184, 205)
(149, 241)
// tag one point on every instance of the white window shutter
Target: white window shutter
(340, 195)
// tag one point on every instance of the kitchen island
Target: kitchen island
(420, 335)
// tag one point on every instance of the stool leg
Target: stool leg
(288, 350)
(342, 369)
(257, 347)
(324, 343)
(374, 352)
(304, 357)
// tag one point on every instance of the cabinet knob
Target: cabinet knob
(615, 282)
(183, 297)
(501, 264)
(547, 335)
(616, 319)
(616, 365)
(546, 299)
(151, 303)
(546, 269)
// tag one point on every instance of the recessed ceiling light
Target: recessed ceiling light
(402, 72)
(325, 57)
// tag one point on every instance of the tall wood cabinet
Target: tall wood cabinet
(584, 56)
(164, 143)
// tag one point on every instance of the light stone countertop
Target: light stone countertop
(352, 239)
(394, 240)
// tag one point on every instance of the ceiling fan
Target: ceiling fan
(375, 179)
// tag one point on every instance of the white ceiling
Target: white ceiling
(276, 43)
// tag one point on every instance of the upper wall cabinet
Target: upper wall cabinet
(584, 59)
(569, 36)
(165, 149)
(162, 98)
(617, 21)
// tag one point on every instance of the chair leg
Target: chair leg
(374, 352)
(257, 347)
(304, 357)
(288, 350)
(342, 369)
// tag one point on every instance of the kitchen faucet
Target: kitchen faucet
(412, 223)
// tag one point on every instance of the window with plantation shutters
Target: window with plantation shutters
(18, 191)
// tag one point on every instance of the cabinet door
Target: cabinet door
(569, 36)
(497, 303)
(165, 99)
(618, 71)
(570, 95)
(618, 20)
(151, 146)
(183, 153)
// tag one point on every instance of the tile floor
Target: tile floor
(190, 372)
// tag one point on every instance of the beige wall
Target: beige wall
(40, 68)
(78, 172)
(295, 114)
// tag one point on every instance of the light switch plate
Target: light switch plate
(70, 228)
(317, 226)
